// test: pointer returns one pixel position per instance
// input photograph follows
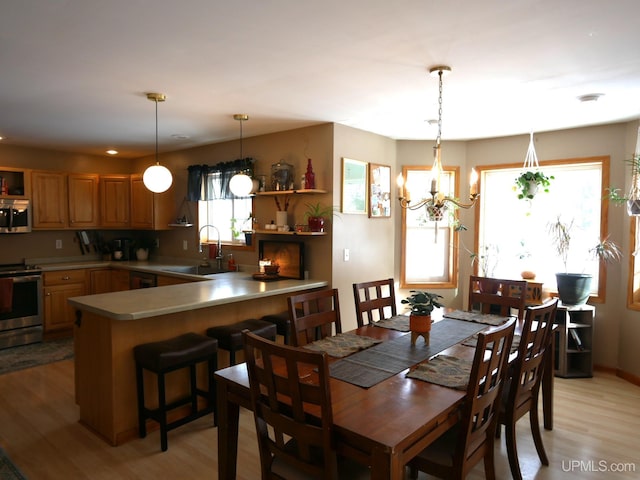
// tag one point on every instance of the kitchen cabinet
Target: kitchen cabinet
(152, 211)
(115, 194)
(99, 280)
(119, 280)
(83, 200)
(17, 183)
(49, 200)
(574, 341)
(58, 287)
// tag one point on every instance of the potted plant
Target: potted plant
(528, 183)
(316, 215)
(632, 199)
(574, 288)
(421, 304)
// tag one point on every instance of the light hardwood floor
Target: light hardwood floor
(597, 422)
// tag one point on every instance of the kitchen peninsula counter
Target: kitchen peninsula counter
(109, 325)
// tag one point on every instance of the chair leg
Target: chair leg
(489, 459)
(194, 388)
(232, 357)
(537, 437)
(512, 451)
(413, 472)
(142, 424)
(212, 367)
(162, 410)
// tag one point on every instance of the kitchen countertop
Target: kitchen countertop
(220, 289)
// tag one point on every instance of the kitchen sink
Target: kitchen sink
(195, 269)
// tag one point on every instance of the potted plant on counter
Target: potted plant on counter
(421, 304)
(574, 288)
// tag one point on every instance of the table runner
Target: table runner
(444, 370)
(342, 344)
(485, 318)
(473, 341)
(371, 366)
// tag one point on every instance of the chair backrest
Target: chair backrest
(291, 404)
(374, 301)
(313, 316)
(497, 295)
(482, 404)
(528, 367)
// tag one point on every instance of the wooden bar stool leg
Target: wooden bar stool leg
(212, 367)
(162, 410)
(194, 388)
(142, 424)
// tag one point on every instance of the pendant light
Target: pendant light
(241, 184)
(157, 178)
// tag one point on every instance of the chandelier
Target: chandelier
(438, 203)
(157, 178)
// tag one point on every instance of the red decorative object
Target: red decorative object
(420, 326)
(316, 224)
(309, 177)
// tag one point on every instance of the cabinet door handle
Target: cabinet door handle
(66, 277)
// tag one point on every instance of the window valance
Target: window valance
(211, 182)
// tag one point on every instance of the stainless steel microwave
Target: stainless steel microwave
(15, 215)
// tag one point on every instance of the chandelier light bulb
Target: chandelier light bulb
(157, 178)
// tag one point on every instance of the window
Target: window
(429, 258)
(633, 296)
(229, 216)
(513, 234)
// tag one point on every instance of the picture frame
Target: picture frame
(289, 255)
(379, 190)
(354, 186)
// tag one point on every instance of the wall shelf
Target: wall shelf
(302, 234)
(290, 192)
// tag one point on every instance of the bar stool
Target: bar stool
(282, 322)
(230, 336)
(165, 356)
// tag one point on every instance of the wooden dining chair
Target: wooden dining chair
(497, 295)
(374, 301)
(471, 439)
(292, 410)
(314, 315)
(523, 386)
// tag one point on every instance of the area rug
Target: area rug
(8, 471)
(27, 356)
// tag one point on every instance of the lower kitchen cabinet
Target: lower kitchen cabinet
(59, 286)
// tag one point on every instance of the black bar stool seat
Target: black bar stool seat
(282, 322)
(230, 336)
(165, 356)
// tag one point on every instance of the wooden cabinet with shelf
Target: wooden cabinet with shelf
(574, 341)
(58, 287)
(115, 194)
(152, 211)
(17, 182)
(49, 203)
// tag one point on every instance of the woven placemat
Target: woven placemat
(444, 370)
(397, 322)
(342, 344)
(477, 317)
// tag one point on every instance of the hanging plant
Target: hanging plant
(632, 199)
(529, 183)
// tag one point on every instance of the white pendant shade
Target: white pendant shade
(241, 185)
(157, 178)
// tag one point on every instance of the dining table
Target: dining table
(381, 420)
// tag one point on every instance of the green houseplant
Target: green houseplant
(317, 214)
(421, 304)
(528, 183)
(574, 288)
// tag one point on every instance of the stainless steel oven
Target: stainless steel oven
(21, 300)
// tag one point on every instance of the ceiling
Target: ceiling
(74, 72)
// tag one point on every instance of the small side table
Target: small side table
(574, 341)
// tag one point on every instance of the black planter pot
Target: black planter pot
(573, 288)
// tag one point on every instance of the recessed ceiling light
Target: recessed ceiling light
(180, 136)
(590, 97)
(112, 152)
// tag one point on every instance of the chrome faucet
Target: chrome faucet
(219, 255)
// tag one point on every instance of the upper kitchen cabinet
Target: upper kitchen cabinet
(49, 200)
(15, 183)
(115, 194)
(151, 211)
(83, 200)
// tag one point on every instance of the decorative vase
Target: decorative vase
(309, 177)
(573, 288)
(142, 254)
(316, 224)
(281, 218)
(420, 326)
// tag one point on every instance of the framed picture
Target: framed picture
(289, 255)
(354, 186)
(379, 191)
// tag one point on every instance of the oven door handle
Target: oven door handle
(26, 278)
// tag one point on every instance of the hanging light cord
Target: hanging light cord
(439, 108)
(157, 160)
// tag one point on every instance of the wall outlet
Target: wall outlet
(58, 244)
(345, 255)
(156, 243)
(185, 245)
